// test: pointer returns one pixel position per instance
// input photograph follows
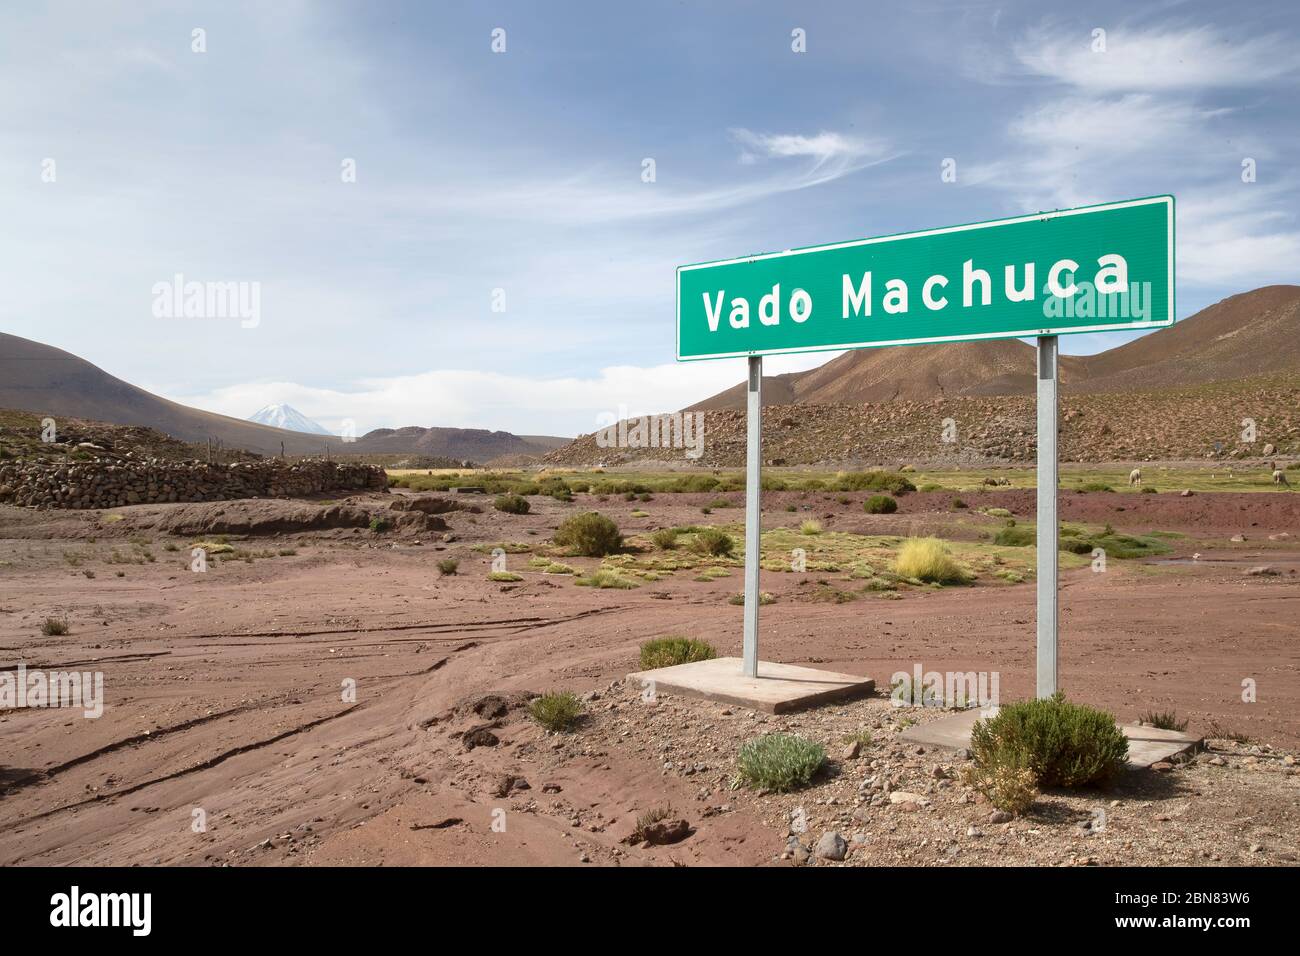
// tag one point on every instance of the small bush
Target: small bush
(670, 651)
(590, 534)
(379, 525)
(880, 505)
(665, 539)
(54, 626)
(1014, 537)
(810, 527)
(512, 504)
(958, 503)
(780, 762)
(1149, 490)
(712, 542)
(504, 577)
(646, 820)
(895, 484)
(1164, 720)
(1008, 787)
(927, 559)
(720, 503)
(604, 578)
(556, 711)
(448, 566)
(1095, 486)
(1063, 744)
(764, 598)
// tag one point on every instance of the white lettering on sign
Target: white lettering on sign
(977, 290)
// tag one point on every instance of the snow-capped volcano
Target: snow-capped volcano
(286, 416)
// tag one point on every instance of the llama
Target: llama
(1279, 478)
(1135, 477)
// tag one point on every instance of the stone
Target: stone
(1000, 816)
(479, 737)
(1237, 538)
(832, 846)
(1162, 766)
(666, 831)
(903, 796)
(1262, 570)
(852, 750)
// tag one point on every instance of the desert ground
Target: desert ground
(226, 691)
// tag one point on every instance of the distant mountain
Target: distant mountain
(1244, 335)
(48, 381)
(288, 417)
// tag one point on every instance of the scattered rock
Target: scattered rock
(1162, 766)
(666, 831)
(1000, 816)
(479, 737)
(832, 846)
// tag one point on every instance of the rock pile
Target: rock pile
(104, 482)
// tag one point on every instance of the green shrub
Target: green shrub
(604, 578)
(670, 651)
(1149, 490)
(448, 566)
(1011, 536)
(504, 577)
(958, 503)
(54, 626)
(379, 525)
(1063, 744)
(720, 503)
(556, 711)
(880, 505)
(931, 486)
(780, 762)
(893, 483)
(1095, 486)
(512, 504)
(1164, 720)
(590, 534)
(810, 527)
(713, 542)
(695, 483)
(665, 539)
(927, 559)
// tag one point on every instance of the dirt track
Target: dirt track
(224, 689)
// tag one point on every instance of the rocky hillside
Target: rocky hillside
(50, 382)
(1170, 423)
(1243, 336)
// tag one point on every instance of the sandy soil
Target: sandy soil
(225, 694)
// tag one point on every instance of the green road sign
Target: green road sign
(1093, 269)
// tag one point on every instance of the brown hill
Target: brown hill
(49, 381)
(1242, 336)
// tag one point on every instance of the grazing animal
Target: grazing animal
(1279, 477)
(1135, 476)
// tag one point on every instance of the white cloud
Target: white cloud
(1242, 236)
(464, 398)
(1187, 58)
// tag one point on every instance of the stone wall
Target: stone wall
(113, 482)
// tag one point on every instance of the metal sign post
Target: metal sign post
(1047, 525)
(753, 512)
(1099, 268)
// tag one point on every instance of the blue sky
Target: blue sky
(521, 171)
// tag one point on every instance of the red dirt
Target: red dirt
(224, 690)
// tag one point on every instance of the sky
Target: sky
(443, 212)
